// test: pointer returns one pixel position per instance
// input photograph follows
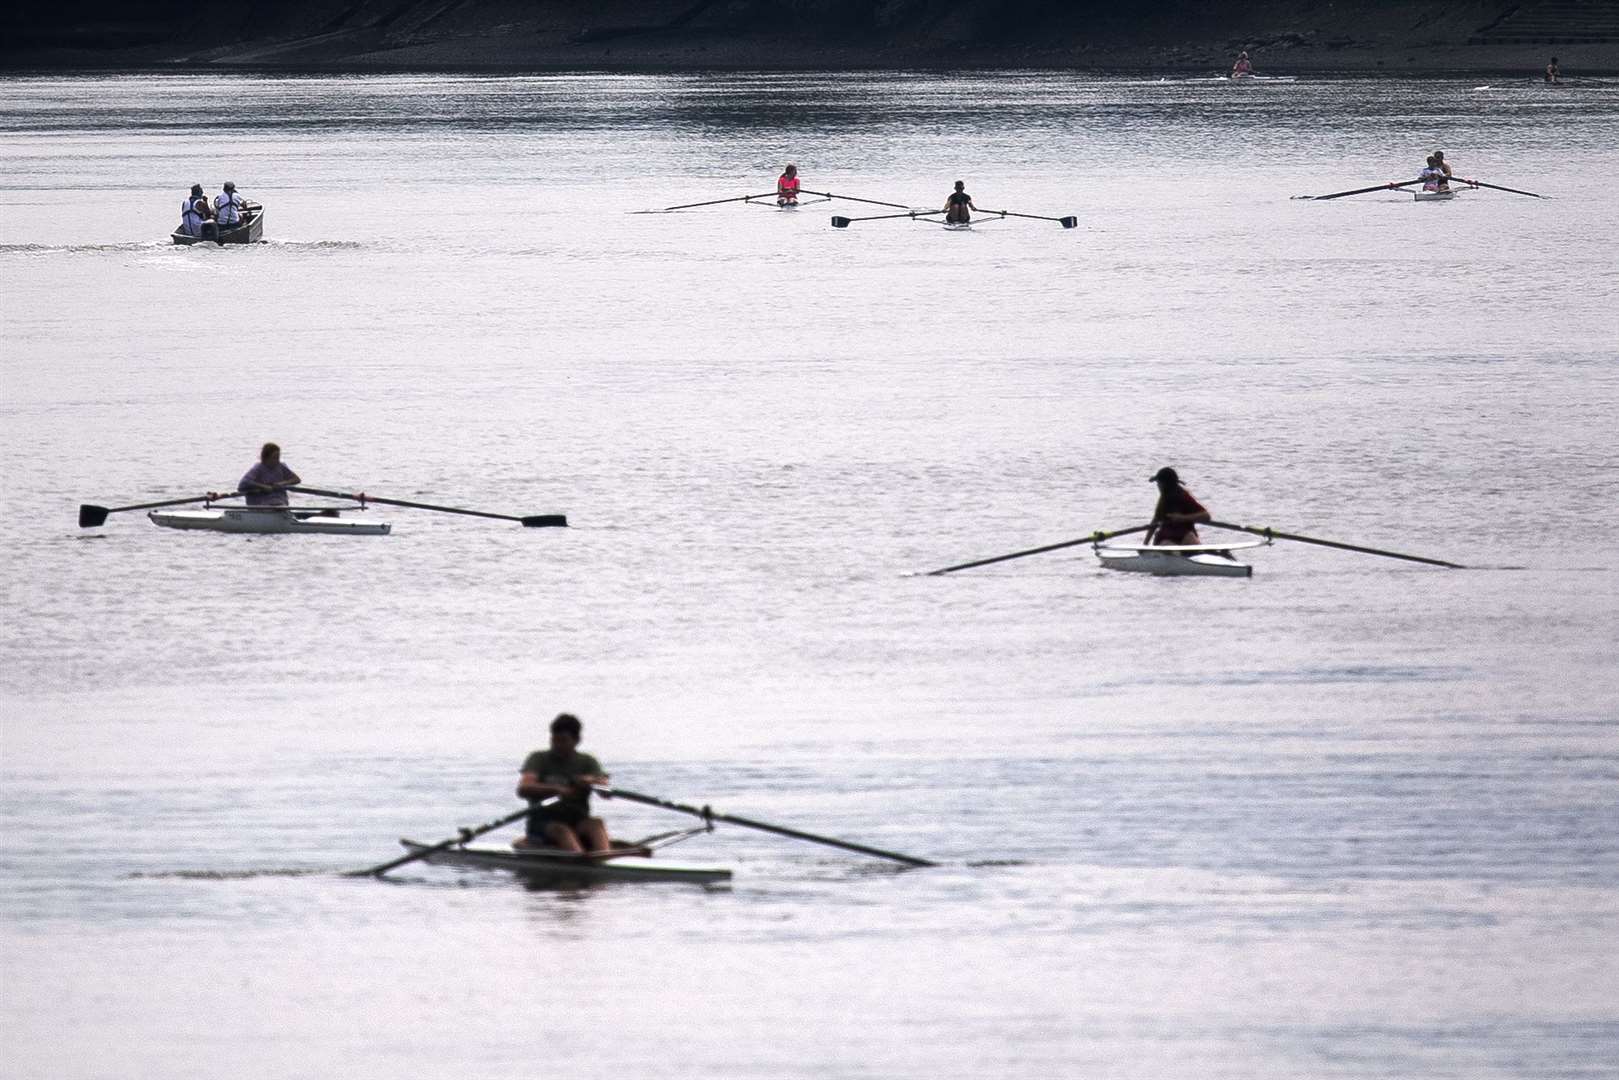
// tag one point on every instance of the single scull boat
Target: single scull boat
(1177, 560)
(630, 863)
(1432, 196)
(269, 519)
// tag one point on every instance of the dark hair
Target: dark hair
(960, 185)
(267, 449)
(567, 723)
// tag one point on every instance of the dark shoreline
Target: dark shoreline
(1319, 38)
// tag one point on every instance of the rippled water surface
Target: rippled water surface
(1350, 817)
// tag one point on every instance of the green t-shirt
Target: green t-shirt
(543, 764)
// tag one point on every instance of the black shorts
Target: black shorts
(572, 816)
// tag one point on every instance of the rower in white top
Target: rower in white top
(195, 212)
(228, 207)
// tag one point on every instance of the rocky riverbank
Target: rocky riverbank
(1175, 36)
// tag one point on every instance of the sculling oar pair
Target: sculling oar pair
(91, 516)
(1393, 186)
(707, 815)
(1267, 533)
(769, 195)
(844, 222)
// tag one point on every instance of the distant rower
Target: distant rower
(1177, 515)
(265, 484)
(1552, 74)
(787, 186)
(958, 206)
(558, 782)
(1243, 67)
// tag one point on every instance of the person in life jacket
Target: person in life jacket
(195, 211)
(787, 186)
(1176, 517)
(958, 206)
(228, 207)
(1433, 177)
(1243, 67)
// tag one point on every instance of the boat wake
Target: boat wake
(83, 249)
(227, 875)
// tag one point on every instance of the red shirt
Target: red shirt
(787, 186)
(1180, 501)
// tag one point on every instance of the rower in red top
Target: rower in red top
(1243, 68)
(1177, 515)
(787, 186)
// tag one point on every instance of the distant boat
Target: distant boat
(250, 231)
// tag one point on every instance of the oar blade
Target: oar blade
(91, 516)
(546, 521)
(1070, 223)
(840, 222)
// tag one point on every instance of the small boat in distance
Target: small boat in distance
(629, 862)
(326, 520)
(1177, 560)
(250, 231)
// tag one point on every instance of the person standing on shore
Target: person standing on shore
(787, 186)
(1553, 76)
(958, 206)
(1243, 68)
(265, 484)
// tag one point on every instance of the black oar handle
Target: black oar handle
(90, 516)
(1093, 538)
(532, 521)
(460, 838)
(715, 202)
(851, 198)
(780, 830)
(1272, 534)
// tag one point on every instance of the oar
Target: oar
(780, 830)
(1093, 538)
(533, 521)
(1498, 187)
(845, 222)
(851, 198)
(710, 202)
(460, 838)
(1065, 222)
(1390, 186)
(91, 516)
(1272, 534)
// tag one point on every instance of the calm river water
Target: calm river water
(1350, 818)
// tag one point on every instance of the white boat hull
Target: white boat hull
(250, 519)
(1200, 560)
(1433, 196)
(551, 864)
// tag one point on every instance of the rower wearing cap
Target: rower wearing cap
(194, 211)
(266, 483)
(1177, 515)
(557, 783)
(1243, 68)
(228, 207)
(787, 186)
(958, 206)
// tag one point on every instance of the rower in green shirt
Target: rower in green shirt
(562, 773)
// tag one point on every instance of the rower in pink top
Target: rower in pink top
(265, 483)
